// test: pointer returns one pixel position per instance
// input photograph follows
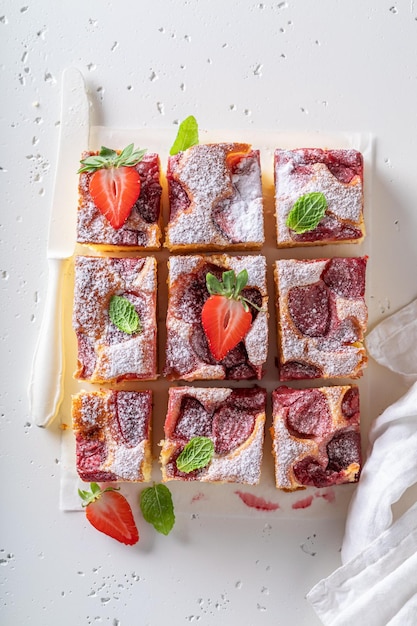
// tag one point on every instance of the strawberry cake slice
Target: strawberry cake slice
(217, 320)
(119, 200)
(114, 318)
(316, 436)
(230, 421)
(318, 196)
(113, 435)
(322, 317)
(215, 198)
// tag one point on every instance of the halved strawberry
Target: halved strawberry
(115, 183)
(225, 317)
(110, 513)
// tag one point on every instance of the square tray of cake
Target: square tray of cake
(236, 183)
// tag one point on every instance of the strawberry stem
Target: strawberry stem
(108, 158)
(96, 492)
(230, 287)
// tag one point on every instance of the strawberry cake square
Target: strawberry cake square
(322, 317)
(316, 436)
(214, 435)
(318, 196)
(119, 206)
(215, 198)
(114, 318)
(113, 435)
(217, 320)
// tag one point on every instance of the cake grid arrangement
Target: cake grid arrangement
(217, 307)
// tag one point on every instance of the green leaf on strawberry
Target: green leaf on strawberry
(187, 135)
(108, 158)
(157, 508)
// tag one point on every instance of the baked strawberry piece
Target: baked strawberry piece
(113, 435)
(114, 318)
(210, 334)
(119, 200)
(316, 436)
(319, 196)
(322, 317)
(227, 422)
(215, 198)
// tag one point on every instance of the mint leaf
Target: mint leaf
(123, 315)
(187, 135)
(307, 212)
(157, 508)
(197, 453)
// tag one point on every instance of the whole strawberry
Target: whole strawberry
(110, 513)
(226, 317)
(115, 182)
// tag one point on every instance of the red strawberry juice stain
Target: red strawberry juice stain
(328, 495)
(304, 503)
(255, 502)
(197, 497)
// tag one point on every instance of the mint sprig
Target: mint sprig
(157, 508)
(197, 453)
(187, 135)
(307, 212)
(124, 315)
(107, 157)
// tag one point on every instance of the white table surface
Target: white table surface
(297, 66)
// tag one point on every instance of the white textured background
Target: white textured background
(299, 65)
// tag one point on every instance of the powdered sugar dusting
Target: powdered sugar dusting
(183, 360)
(241, 216)
(195, 422)
(256, 341)
(255, 265)
(115, 354)
(233, 418)
(121, 421)
(242, 465)
(287, 450)
(93, 228)
(295, 273)
(180, 359)
(126, 462)
(352, 309)
(332, 450)
(335, 350)
(334, 397)
(294, 178)
(94, 408)
(133, 356)
(133, 410)
(181, 265)
(224, 209)
(208, 396)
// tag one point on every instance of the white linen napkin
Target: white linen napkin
(377, 584)
(393, 342)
